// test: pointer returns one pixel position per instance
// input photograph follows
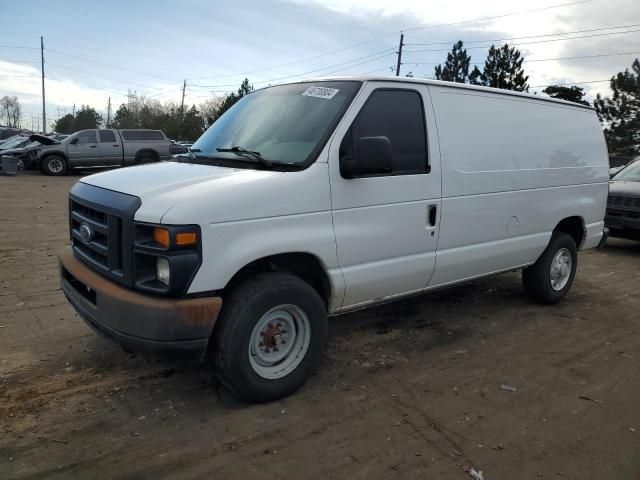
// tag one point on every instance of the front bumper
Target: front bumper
(623, 224)
(178, 327)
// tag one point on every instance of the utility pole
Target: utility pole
(44, 112)
(184, 87)
(109, 113)
(400, 54)
(73, 112)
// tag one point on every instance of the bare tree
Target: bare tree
(209, 109)
(10, 111)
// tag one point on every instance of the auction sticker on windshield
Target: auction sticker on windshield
(321, 92)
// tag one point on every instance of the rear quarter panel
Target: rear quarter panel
(512, 169)
(132, 147)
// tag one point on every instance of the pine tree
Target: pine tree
(456, 68)
(570, 94)
(231, 99)
(620, 113)
(502, 69)
(85, 118)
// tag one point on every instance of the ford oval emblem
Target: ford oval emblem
(86, 233)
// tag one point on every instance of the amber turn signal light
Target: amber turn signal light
(161, 237)
(186, 238)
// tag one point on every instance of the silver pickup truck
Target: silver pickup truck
(101, 148)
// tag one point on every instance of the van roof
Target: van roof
(440, 83)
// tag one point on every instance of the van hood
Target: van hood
(149, 181)
(623, 188)
(173, 192)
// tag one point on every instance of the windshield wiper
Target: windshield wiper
(249, 154)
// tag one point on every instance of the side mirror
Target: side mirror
(373, 156)
(73, 141)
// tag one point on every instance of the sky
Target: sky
(100, 50)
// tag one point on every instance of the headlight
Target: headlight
(166, 257)
(163, 272)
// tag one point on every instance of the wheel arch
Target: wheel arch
(147, 152)
(573, 226)
(58, 153)
(304, 265)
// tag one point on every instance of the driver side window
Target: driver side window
(399, 116)
(88, 136)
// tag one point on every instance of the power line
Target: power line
(532, 43)
(102, 76)
(159, 94)
(433, 26)
(580, 57)
(110, 65)
(527, 37)
(387, 50)
(19, 76)
(389, 69)
(19, 47)
(481, 19)
(529, 60)
(357, 64)
(572, 83)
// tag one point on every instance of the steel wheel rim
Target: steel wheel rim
(55, 165)
(279, 341)
(561, 267)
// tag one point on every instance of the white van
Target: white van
(316, 198)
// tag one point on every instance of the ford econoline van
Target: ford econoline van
(320, 197)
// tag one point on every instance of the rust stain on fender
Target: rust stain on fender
(188, 311)
(199, 311)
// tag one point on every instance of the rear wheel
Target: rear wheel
(549, 279)
(145, 157)
(54, 165)
(269, 337)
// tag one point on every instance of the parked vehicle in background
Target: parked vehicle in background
(623, 205)
(321, 197)
(102, 148)
(27, 153)
(177, 148)
(12, 143)
(13, 137)
(6, 132)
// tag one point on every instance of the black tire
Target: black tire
(54, 165)
(242, 310)
(536, 279)
(146, 157)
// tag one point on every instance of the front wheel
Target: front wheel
(270, 336)
(54, 165)
(549, 279)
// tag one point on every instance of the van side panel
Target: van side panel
(512, 169)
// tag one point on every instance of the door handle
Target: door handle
(115, 145)
(433, 210)
(93, 146)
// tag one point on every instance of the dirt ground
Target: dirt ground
(407, 390)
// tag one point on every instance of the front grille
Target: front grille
(103, 250)
(630, 202)
(108, 217)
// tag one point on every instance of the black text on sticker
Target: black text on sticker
(320, 92)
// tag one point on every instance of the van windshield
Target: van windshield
(286, 124)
